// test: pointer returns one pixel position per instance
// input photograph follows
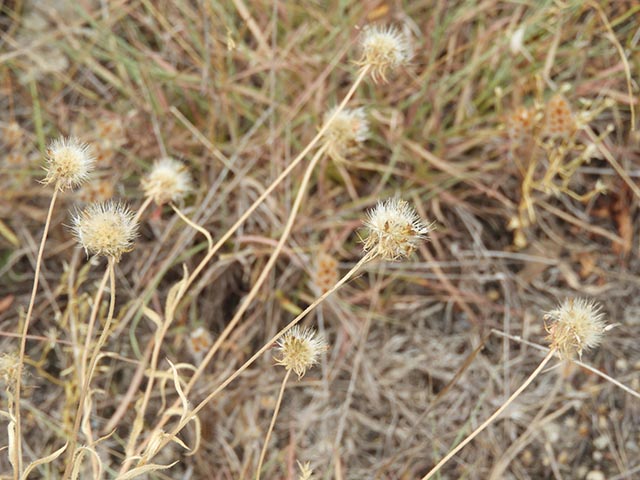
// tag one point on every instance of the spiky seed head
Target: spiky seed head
(383, 49)
(68, 163)
(576, 325)
(394, 230)
(106, 229)
(348, 128)
(300, 349)
(168, 181)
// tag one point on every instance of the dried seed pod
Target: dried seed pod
(559, 121)
(576, 325)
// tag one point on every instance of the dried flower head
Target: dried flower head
(106, 229)
(68, 163)
(168, 181)
(300, 349)
(326, 272)
(520, 124)
(558, 118)
(383, 48)
(199, 342)
(574, 326)
(347, 129)
(394, 230)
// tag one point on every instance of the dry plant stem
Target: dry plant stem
(86, 373)
(212, 251)
(495, 415)
(593, 370)
(159, 337)
(132, 390)
(272, 424)
(187, 418)
(193, 225)
(143, 207)
(363, 335)
(17, 462)
(285, 173)
(107, 326)
(247, 300)
(623, 58)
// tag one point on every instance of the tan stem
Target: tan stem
(272, 424)
(201, 368)
(143, 207)
(250, 297)
(17, 461)
(586, 366)
(193, 225)
(187, 418)
(489, 420)
(86, 373)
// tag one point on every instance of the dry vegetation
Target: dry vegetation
(512, 129)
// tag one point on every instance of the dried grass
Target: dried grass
(236, 90)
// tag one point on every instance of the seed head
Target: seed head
(199, 342)
(300, 349)
(576, 325)
(383, 48)
(394, 230)
(326, 272)
(168, 181)
(68, 163)
(347, 129)
(106, 229)
(559, 121)
(520, 125)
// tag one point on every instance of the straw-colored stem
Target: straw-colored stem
(272, 424)
(17, 461)
(201, 368)
(143, 207)
(187, 418)
(285, 173)
(495, 415)
(107, 325)
(193, 225)
(86, 373)
(252, 293)
(586, 366)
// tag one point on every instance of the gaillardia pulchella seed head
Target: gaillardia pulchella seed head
(106, 229)
(383, 49)
(300, 349)
(68, 163)
(394, 230)
(168, 181)
(576, 325)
